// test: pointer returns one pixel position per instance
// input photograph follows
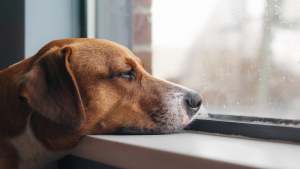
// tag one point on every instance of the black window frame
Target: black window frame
(252, 127)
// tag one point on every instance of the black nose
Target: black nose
(194, 100)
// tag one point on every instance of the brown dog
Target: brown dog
(76, 87)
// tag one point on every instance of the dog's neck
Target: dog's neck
(31, 152)
(18, 121)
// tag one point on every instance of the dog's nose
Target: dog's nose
(194, 100)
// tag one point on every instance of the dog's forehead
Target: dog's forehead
(104, 50)
(103, 56)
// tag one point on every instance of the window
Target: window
(242, 56)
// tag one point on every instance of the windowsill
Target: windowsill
(187, 150)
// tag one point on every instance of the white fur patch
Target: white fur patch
(174, 101)
(32, 153)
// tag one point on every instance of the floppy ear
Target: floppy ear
(50, 89)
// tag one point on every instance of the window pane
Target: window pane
(242, 56)
(114, 21)
(50, 20)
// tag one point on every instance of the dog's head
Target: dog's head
(101, 87)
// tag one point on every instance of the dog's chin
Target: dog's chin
(169, 127)
(134, 131)
(153, 131)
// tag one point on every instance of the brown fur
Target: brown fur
(72, 88)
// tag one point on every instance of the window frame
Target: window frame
(265, 131)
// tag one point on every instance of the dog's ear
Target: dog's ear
(50, 89)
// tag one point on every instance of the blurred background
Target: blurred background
(243, 56)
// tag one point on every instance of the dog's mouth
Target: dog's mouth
(145, 131)
(163, 126)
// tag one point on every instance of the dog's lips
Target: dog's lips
(185, 118)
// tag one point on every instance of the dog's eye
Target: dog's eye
(127, 75)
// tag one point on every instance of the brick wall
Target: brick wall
(141, 31)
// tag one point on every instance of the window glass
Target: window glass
(243, 56)
(50, 20)
(113, 21)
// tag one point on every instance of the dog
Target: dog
(79, 86)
